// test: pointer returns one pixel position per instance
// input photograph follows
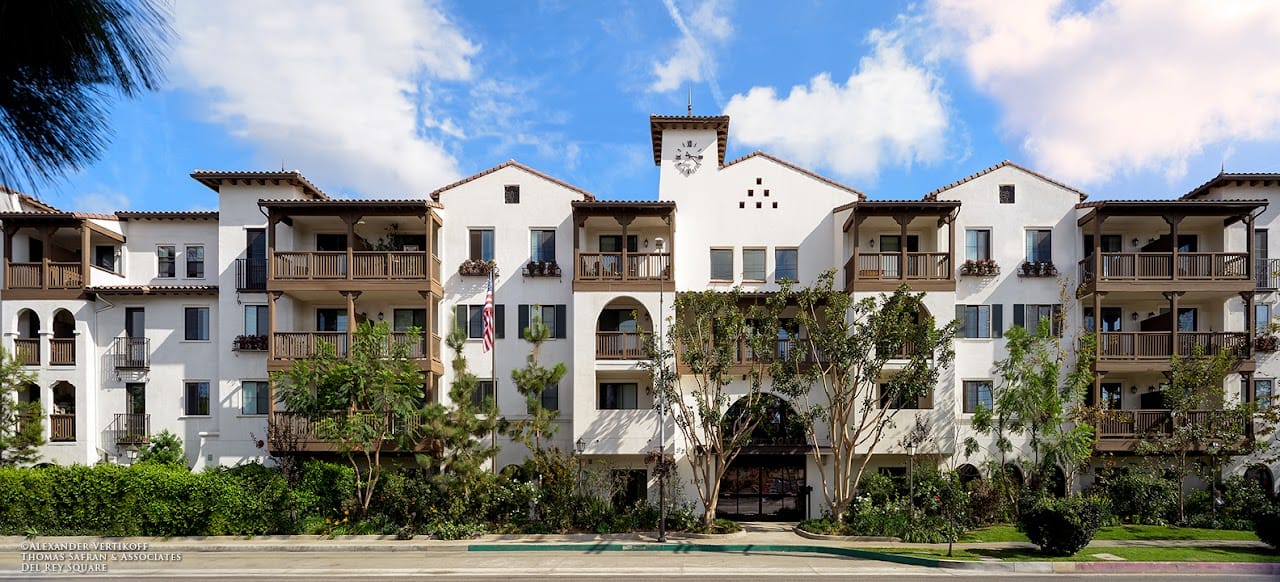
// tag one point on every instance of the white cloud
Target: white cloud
(889, 111)
(1124, 86)
(345, 92)
(692, 61)
(104, 201)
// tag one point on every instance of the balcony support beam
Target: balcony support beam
(1173, 220)
(903, 220)
(1250, 319)
(1173, 296)
(84, 252)
(1249, 262)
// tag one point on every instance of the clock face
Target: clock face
(688, 160)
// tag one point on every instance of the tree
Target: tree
(1201, 421)
(844, 353)
(165, 449)
(464, 426)
(1037, 396)
(717, 338)
(59, 63)
(362, 404)
(532, 381)
(21, 429)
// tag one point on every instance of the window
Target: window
(197, 323)
(165, 266)
(1110, 318)
(1029, 316)
(555, 317)
(977, 393)
(977, 244)
(1262, 391)
(1040, 246)
(721, 264)
(550, 398)
(901, 401)
(786, 264)
(329, 319)
(481, 244)
(197, 400)
(753, 264)
(511, 193)
(255, 320)
(1111, 392)
(1006, 194)
(483, 392)
(195, 262)
(617, 396)
(406, 319)
(630, 487)
(1262, 318)
(104, 256)
(471, 317)
(255, 397)
(980, 321)
(542, 245)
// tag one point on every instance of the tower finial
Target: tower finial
(690, 100)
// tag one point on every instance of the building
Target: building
(137, 322)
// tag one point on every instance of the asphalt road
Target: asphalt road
(462, 565)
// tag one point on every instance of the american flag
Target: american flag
(488, 316)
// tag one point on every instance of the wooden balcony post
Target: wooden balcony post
(1250, 319)
(272, 219)
(1173, 221)
(903, 220)
(1172, 296)
(351, 220)
(271, 324)
(1097, 255)
(625, 220)
(857, 223)
(1249, 258)
(46, 233)
(84, 252)
(670, 274)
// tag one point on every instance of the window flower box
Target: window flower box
(1266, 343)
(250, 343)
(542, 269)
(478, 268)
(1039, 269)
(980, 268)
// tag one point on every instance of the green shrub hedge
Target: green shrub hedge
(1266, 523)
(1061, 527)
(159, 500)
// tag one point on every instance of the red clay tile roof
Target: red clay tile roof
(167, 214)
(154, 289)
(1224, 177)
(211, 178)
(811, 174)
(435, 194)
(934, 194)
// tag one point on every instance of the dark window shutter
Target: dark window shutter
(1019, 315)
(460, 317)
(961, 332)
(997, 320)
(522, 320)
(500, 321)
(562, 321)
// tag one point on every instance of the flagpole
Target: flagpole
(493, 367)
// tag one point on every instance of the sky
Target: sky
(395, 98)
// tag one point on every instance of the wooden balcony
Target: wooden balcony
(62, 351)
(299, 345)
(1120, 430)
(1157, 345)
(44, 275)
(131, 428)
(1195, 271)
(62, 428)
(638, 270)
(307, 269)
(620, 345)
(885, 271)
(27, 350)
(293, 432)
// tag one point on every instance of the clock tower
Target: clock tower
(688, 151)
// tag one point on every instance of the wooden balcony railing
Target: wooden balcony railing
(131, 428)
(294, 427)
(365, 265)
(35, 276)
(27, 349)
(1131, 424)
(62, 428)
(131, 353)
(881, 266)
(62, 351)
(610, 266)
(436, 346)
(620, 345)
(436, 267)
(1157, 345)
(296, 345)
(1159, 266)
(417, 345)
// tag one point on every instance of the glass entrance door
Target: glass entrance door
(763, 488)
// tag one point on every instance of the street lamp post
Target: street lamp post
(580, 446)
(658, 244)
(911, 482)
(1213, 480)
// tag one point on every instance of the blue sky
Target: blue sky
(1132, 99)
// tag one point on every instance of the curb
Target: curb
(828, 538)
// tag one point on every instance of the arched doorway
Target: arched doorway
(968, 474)
(1261, 475)
(62, 420)
(766, 482)
(621, 329)
(26, 347)
(62, 346)
(29, 394)
(1013, 474)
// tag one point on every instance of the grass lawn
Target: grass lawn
(1132, 554)
(1008, 533)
